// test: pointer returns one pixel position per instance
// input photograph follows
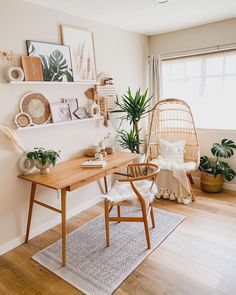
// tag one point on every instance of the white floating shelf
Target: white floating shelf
(52, 83)
(59, 124)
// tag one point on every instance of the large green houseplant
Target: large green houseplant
(214, 171)
(133, 108)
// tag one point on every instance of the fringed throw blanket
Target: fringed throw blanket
(173, 181)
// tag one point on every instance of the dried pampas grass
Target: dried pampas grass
(13, 137)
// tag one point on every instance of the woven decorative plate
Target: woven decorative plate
(23, 120)
(37, 106)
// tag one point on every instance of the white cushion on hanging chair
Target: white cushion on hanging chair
(172, 151)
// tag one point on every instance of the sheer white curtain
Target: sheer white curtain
(208, 83)
(154, 79)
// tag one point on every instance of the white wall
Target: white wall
(218, 33)
(118, 52)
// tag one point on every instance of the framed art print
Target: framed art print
(82, 53)
(60, 112)
(55, 59)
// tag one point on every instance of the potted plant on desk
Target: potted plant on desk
(134, 108)
(44, 159)
(213, 172)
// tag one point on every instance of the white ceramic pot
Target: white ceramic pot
(44, 169)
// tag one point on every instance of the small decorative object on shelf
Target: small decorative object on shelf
(44, 159)
(106, 89)
(55, 59)
(82, 52)
(81, 113)
(74, 106)
(23, 120)
(213, 172)
(100, 101)
(60, 112)
(32, 68)
(6, 57)
(94, 110)
(37, 107)
(14, 74)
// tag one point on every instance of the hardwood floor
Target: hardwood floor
(198, 258)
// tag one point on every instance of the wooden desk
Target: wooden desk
(68, 176)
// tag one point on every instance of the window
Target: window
(208, 84)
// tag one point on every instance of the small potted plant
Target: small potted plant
(134, 107)
(43, 159)
(214, 171)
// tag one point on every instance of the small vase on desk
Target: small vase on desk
(44, 169)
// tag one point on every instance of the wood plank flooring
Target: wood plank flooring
(198, 258)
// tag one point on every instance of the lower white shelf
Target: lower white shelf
(58, 124)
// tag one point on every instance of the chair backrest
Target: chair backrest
(172, 120)
(141, 171)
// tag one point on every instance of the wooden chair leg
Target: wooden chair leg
(192, 194)
(190, 178)
(106, 205)
(118, 212)
(152, 217)
(145, 221)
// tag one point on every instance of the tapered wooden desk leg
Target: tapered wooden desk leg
(31, 203)
(105, 184)
(63, 225)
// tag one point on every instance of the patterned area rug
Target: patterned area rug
(97, 270)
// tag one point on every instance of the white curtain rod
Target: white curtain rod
(198, 51)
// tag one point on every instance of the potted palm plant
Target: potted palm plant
(43, 159)
(214, 171)
(134, 108)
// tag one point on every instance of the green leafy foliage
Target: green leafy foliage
(223, 149)
(55, 67)
(129, 140)
(43, 156)
(134, 108)
(215, 167)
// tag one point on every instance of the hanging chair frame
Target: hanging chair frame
(172, 120)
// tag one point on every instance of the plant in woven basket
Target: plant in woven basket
(43, 159)
(134, 108)
(216, 167)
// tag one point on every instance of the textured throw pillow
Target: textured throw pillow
(172, 151)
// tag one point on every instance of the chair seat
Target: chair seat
(122, 193)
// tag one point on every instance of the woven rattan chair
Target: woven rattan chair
(138, 188)
(172, 120)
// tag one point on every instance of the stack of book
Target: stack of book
(94, 163)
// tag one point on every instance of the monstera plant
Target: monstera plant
(214, 171)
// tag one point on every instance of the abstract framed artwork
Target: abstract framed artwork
(82, 53)
(55, 59)
(74, 105)
(60, 112)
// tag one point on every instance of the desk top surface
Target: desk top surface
(70, 172)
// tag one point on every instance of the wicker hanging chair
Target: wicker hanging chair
(172, 120)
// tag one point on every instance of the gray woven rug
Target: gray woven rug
(97, 270)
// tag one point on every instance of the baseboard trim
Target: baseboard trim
(229, 186)
(48, 225)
